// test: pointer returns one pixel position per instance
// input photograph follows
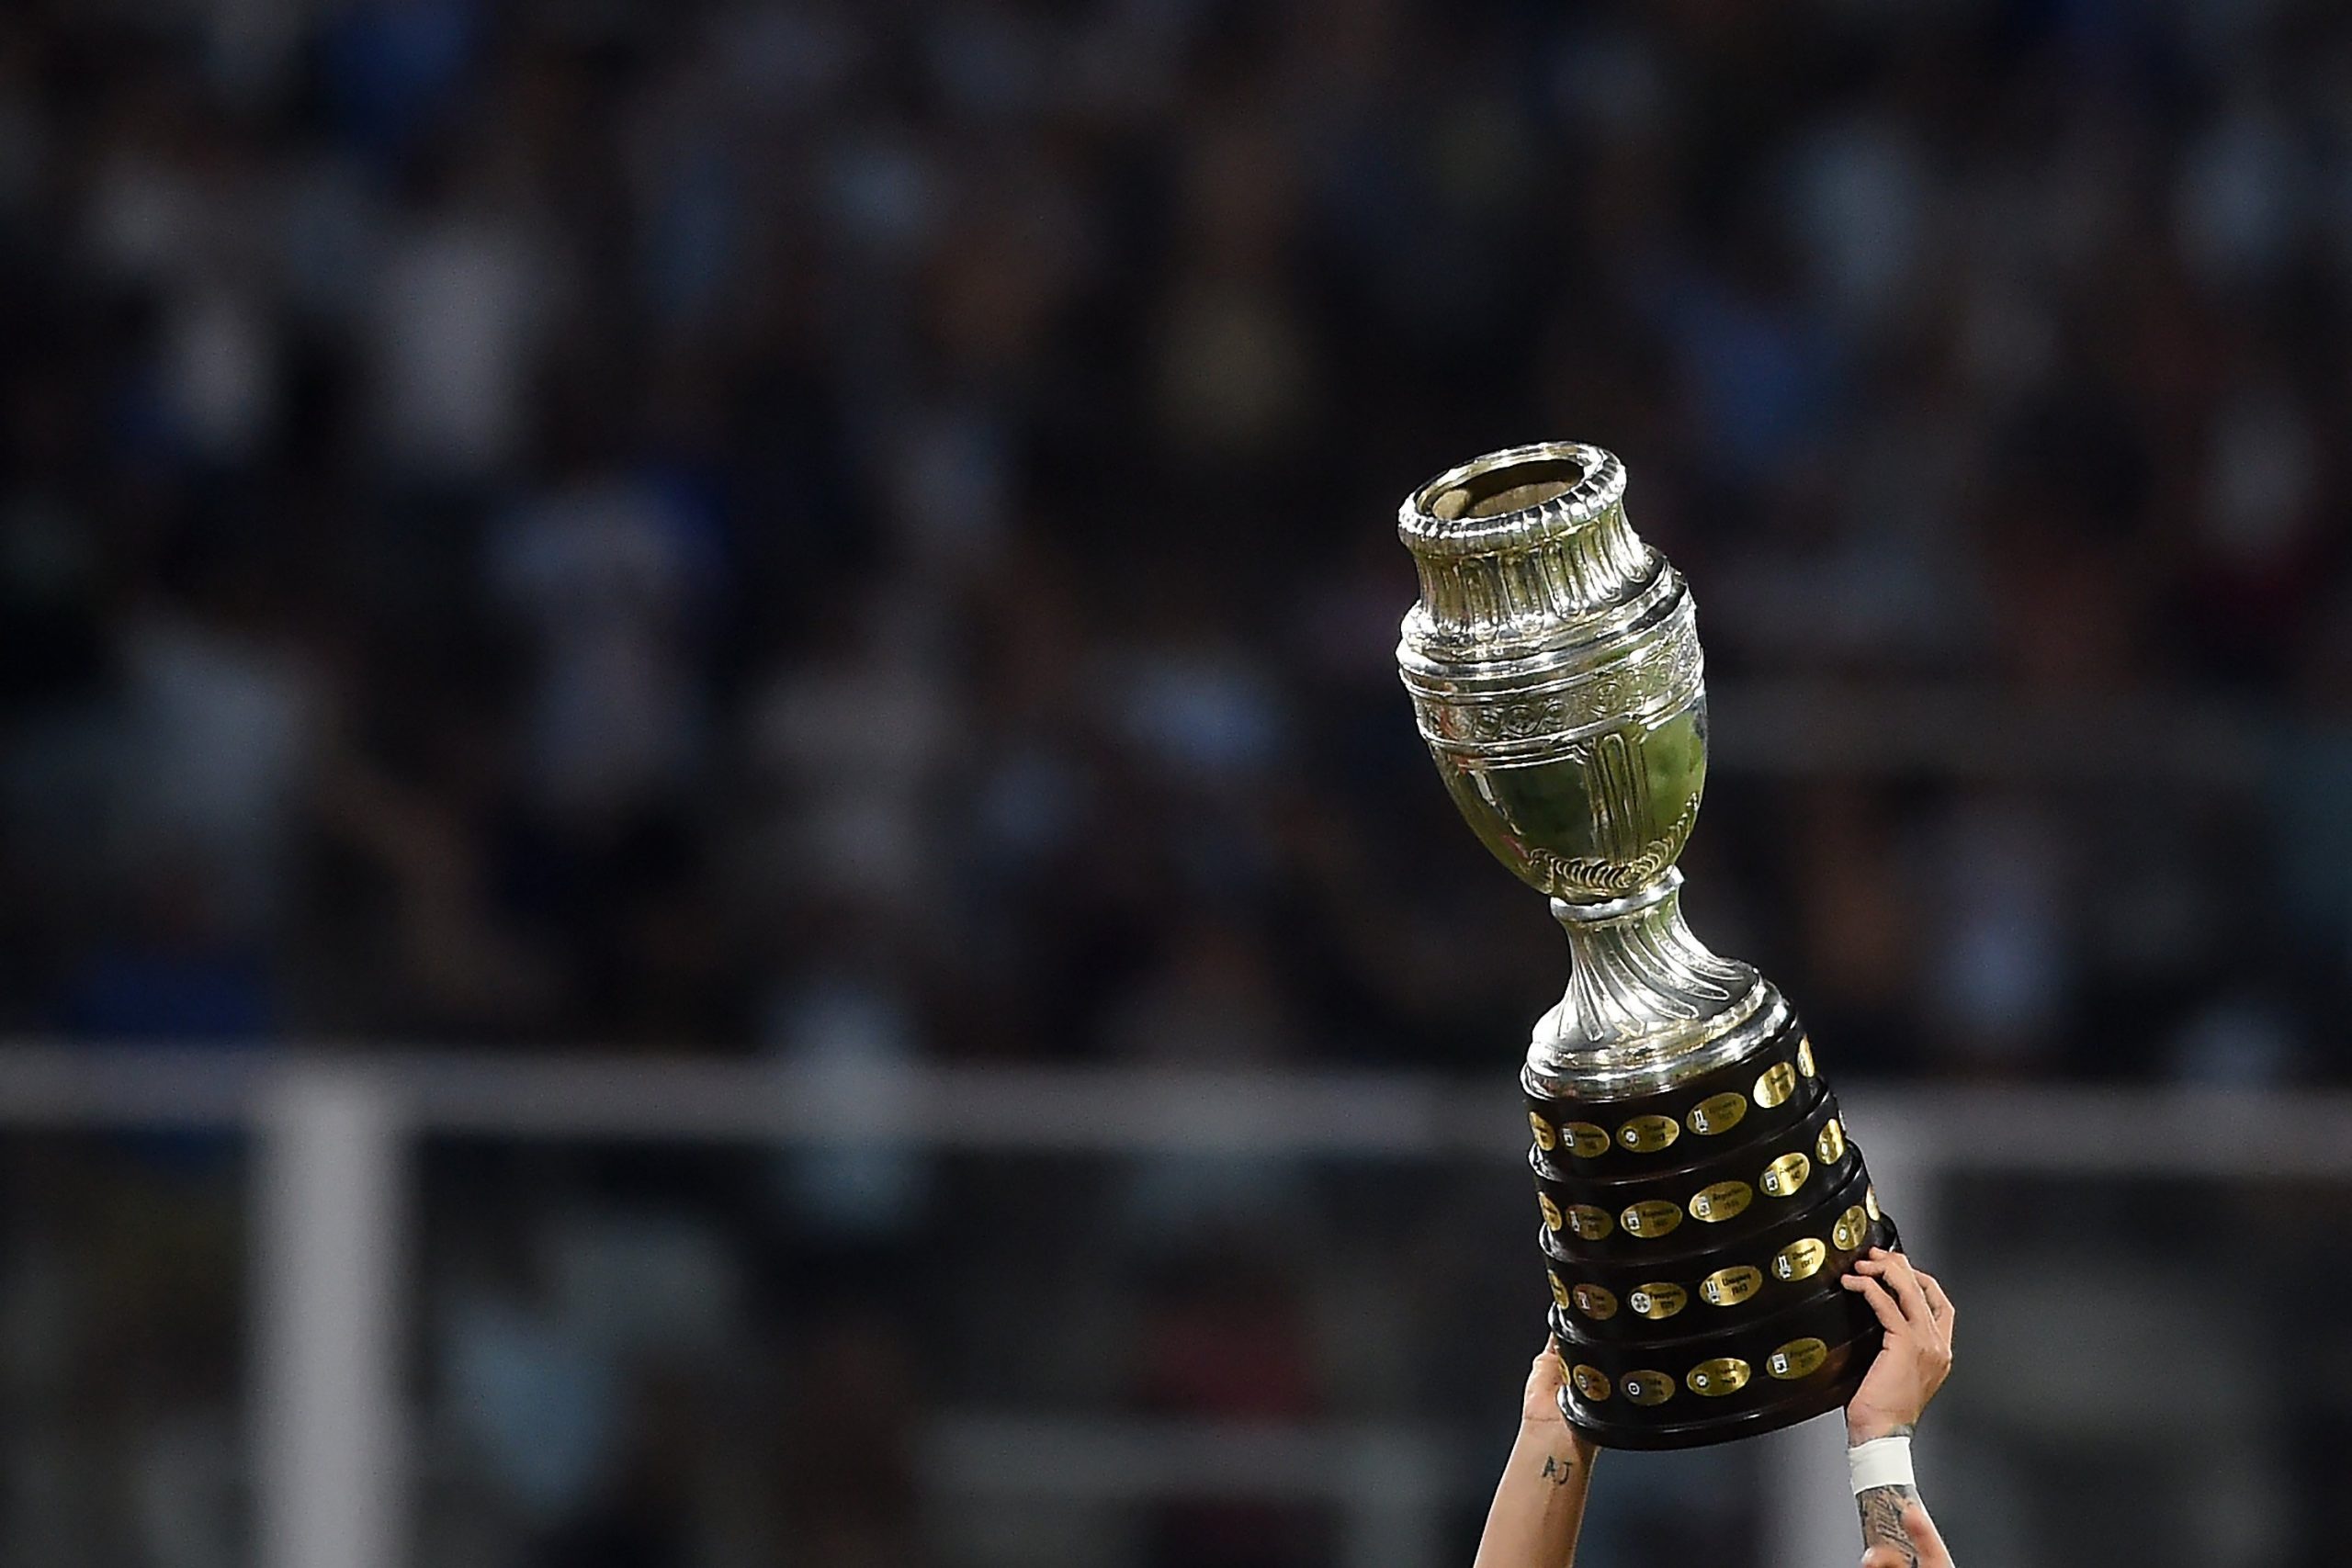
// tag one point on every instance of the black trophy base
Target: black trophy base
(1696, 1240)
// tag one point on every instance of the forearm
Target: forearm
(1882, 1502)
(1882, 1509)
(1538, 1503)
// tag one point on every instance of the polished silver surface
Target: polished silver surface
(1556, 673)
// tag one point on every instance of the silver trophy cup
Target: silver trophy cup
(1700, 1196)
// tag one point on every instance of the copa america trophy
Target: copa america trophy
(1700, 1196)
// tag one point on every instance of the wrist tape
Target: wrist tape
(1882, 1461)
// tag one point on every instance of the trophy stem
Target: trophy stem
(1644, 993)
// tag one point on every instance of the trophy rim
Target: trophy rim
(1598, 489)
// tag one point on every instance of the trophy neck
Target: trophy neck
(1523, 549)
(1645, 997)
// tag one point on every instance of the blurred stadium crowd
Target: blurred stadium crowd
(859, 531)
(810, 528)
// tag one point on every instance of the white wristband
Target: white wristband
(1882, 1461)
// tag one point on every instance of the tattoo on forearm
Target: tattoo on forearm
(1557, 1471)
(1882, 1509)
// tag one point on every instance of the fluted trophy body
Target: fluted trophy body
(1700, 1196)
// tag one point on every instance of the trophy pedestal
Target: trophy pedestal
(1694, 1239)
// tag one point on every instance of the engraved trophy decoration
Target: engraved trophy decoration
(1700, 1196)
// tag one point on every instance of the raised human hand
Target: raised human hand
(1917, 1356)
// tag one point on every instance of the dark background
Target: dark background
(861, 532)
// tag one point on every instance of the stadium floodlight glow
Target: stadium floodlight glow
(1700, 1196)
